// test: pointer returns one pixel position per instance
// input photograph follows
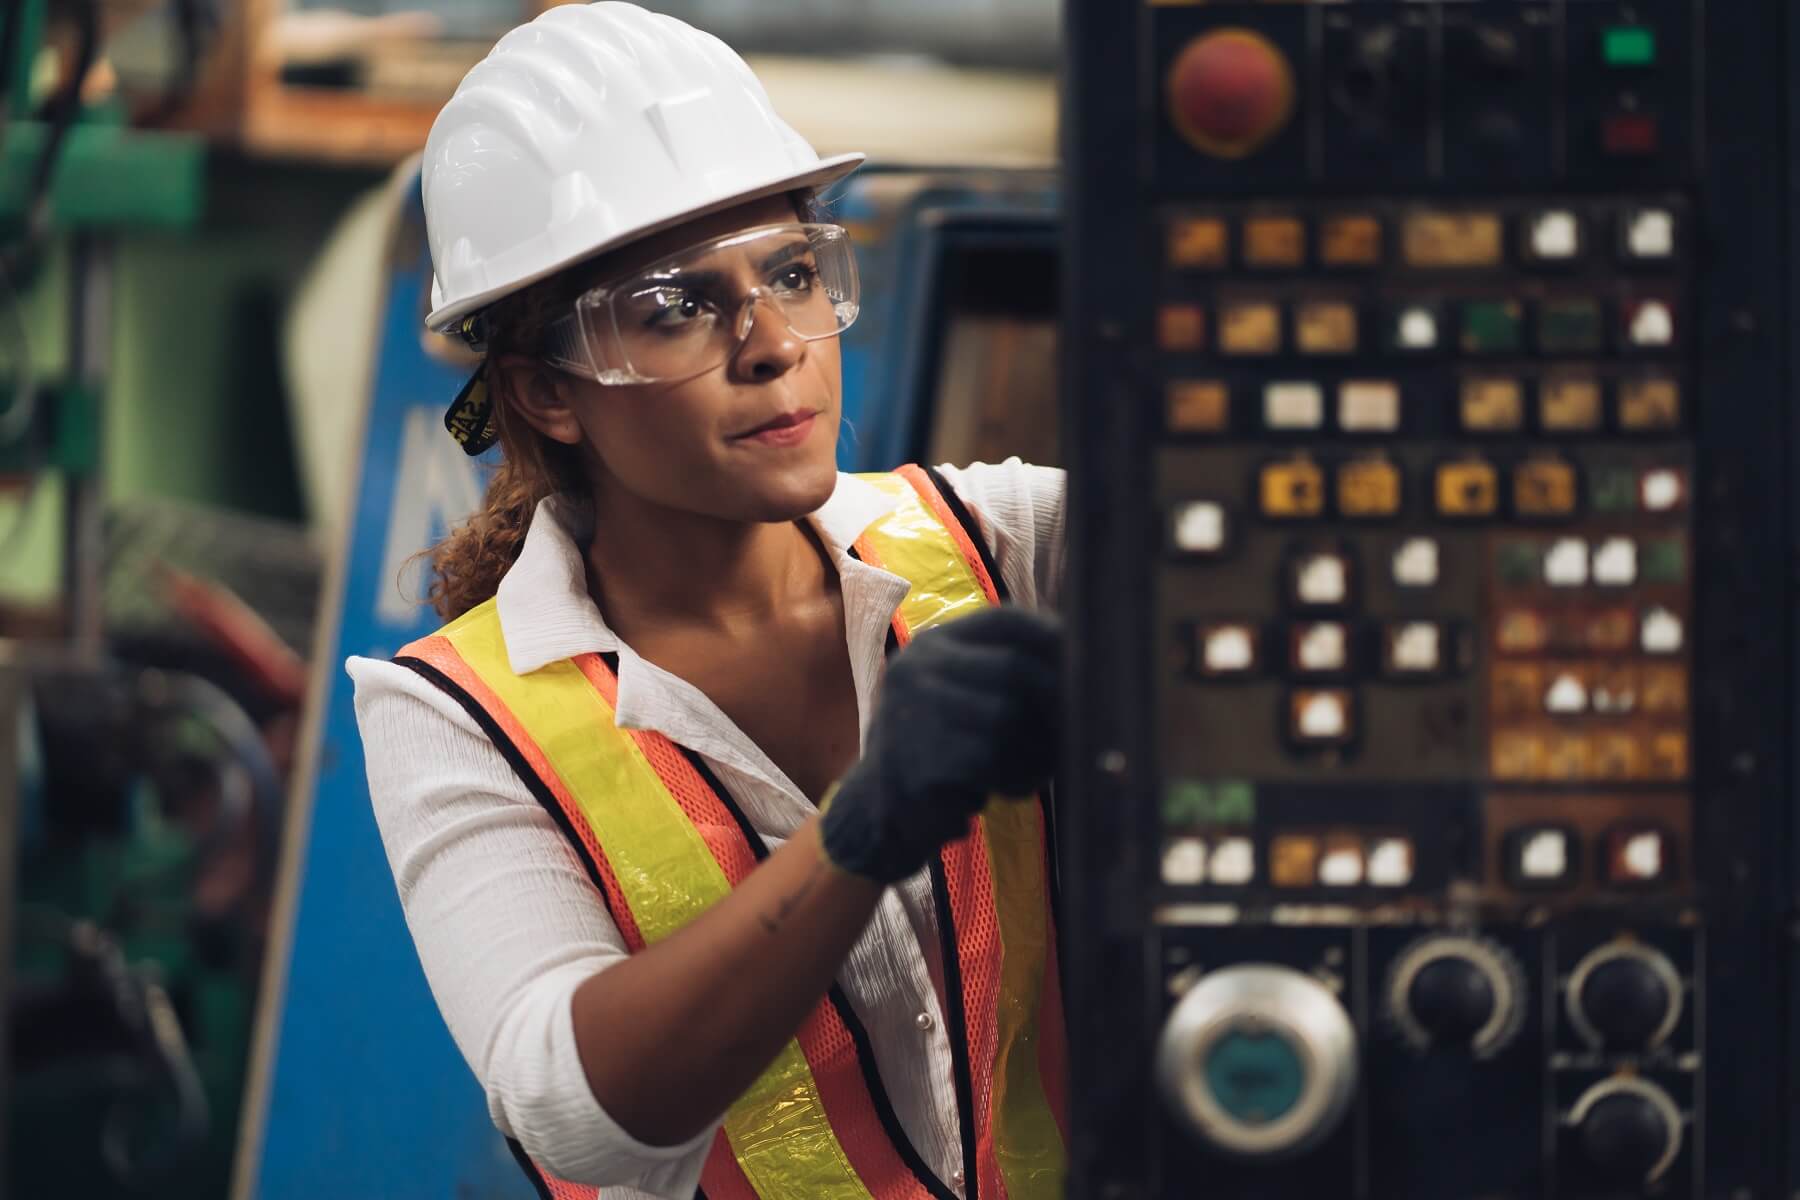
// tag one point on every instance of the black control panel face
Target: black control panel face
(1426, 767)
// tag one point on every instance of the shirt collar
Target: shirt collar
(545, 612)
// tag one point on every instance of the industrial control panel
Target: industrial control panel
(1427, 405)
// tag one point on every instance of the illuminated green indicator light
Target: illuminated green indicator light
(1191, 803)
(1629, 46)
(1256, 1077)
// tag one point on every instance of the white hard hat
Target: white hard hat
(591, 126)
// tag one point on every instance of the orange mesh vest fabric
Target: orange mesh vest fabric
(662, 842)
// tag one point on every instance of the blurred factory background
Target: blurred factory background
(220, 449)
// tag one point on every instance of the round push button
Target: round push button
(1256, 1076)
(1230, 91)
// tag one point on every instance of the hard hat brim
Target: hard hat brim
(829, 170)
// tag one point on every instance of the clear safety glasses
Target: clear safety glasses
(692, 311)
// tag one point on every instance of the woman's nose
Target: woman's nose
(770, 348)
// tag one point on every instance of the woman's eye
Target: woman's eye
(676, 309)
(796, 278)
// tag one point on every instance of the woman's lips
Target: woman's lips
(789, 429)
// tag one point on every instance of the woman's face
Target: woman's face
(753, 439)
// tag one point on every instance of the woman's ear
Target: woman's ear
(535, 391)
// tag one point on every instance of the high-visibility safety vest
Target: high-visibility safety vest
(663, 841)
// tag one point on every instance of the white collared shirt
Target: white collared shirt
(507, 924)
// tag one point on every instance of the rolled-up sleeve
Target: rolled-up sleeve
(507, 926)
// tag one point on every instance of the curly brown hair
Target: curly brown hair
(468, 564)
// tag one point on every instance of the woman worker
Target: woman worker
(689, 804)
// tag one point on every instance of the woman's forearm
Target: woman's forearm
(671, 1037)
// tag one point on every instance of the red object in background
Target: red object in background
(1629, 134)
(236, 629)
(1230, 91)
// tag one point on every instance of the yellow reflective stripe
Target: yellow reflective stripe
(1028, 1147)
(914, 545)
(778, 1129)
(665, 871)
(1027, 1142)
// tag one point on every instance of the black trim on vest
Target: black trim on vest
(971, 527)
(859, 1037)
(538, 1183)
(1046, 798)
(958, 1021)
(520, 767)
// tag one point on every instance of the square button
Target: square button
(1616, 562)
(1341, 863)
(1612, 488)
(1320, 579)
(1664, 688)
(1518, 561)
(1493, 404)
(1668, 757)
(1198, 527)
(1415, 328)
(1521, 631)
(1493, 327)
(1249, 328)
(1544, 488)
(1517, 688)
(1554, 236)
(1274, 243)
(1445, 239)
(1199, 243)
(1369, 406)
(1664, 560)
(1233, 862)
(1649, 404)
(1325, 327)
(1416, 563)
(1609, 631)
(1636, 855)
(1541, 856)
(1199, 406)
(1390, 862)
(1648, 323)
(1514, 754)
(1322, 716)
(1293, 860)
(1662, 490)
(1368, 487)
(1571, 325)
(1291, 405)
(1470, 488)
(1660, 631)
(1566, 563)
(1414, 649)
(1226, 648)
(1319, 648)
(1350, 240)
(1648, 235)
(1628, 46)
(1181, 328)
(1292, 490)
(1617, 756)
(1184, 861)
(1629, 135)
(1565, 695)
(1570, 403)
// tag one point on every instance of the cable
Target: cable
(59, 112)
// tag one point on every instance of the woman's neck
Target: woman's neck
(653, 569)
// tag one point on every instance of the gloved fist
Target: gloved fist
(968, 709)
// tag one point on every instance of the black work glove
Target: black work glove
(968, 710)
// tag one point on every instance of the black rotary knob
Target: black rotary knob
(1455, 991)
(1630, 1130)
(1451, 999)
(1625, 996)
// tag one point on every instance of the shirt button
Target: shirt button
(956, 1178)
(924, 1021)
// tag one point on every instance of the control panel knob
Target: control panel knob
(1258, 1060)
(1447, 990)
(1624, 996)
(1230, 91)
(1630, 1130)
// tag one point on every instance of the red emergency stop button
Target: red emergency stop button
(1230, 91)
